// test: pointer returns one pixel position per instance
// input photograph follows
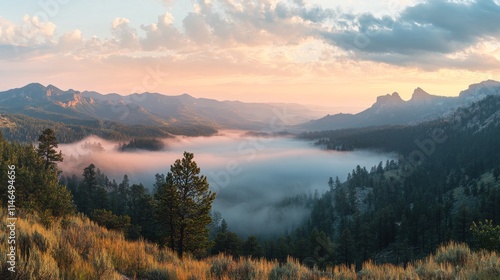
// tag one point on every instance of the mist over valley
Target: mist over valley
(251, 175)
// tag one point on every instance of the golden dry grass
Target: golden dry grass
(83, 250)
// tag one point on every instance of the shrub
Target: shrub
(161, 274)
(454, 254)
(486, 235)
(66, 255)
(40, 241)
(220, 266)
(102, 264)
(287, 271)
(40, 266)
(243, 270)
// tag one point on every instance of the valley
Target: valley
(251, 175)
(392, 191)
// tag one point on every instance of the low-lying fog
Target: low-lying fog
(249, 174)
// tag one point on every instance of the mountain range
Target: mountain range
(391, 109)
(150, 109)
(176, 114)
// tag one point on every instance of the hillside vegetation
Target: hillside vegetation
(22, 128)
(77, 248)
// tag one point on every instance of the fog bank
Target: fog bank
(249, 174)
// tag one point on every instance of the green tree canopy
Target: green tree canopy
(227, 241)
(37, 189)
(183, 206)
(486, 235)
(47, 148)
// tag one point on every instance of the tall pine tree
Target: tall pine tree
(183, 206)
(46, 149)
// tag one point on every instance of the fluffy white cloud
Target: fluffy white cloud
(162, 34)
(30, 31)
(71, 40)
(7, 31)
(124, 34)
(429, 35)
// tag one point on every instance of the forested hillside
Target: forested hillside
(26, 129)
(446, 178)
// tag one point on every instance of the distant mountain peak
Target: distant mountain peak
(478, 91)
(389, 99)
(52, 90)
(489, 82)
(420, 92)
(33, 86)
(420, 95)
(186, 96)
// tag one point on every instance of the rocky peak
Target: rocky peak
(52, 91)
(480, 90)
(76, 99)
(420, 95)
(389, 100)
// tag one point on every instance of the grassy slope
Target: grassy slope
(83, 250)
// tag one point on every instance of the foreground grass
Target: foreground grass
(83, 250)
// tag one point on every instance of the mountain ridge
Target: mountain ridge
(391, 109)
(153, 109)
(156, 109)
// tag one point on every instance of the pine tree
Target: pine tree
(323, 250)
(123, 196)
(167, 204)
(330, 184)
(462, 223)
(252, 248)
(46, 148)
(183, 207)
(227, 241)
(496, 172)
(140, 209)
(214, 226)
(87, 189)
(37, 188)
(346, 247)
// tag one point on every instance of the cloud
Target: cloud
(124, 34)
(71, 40)
(471, 59)
(229, 23)
(162, 34)
(414, 38)
(196, 28)
(420, 33)
(7, 31)
(33, 39)
(31, 31)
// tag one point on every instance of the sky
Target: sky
(326, 53)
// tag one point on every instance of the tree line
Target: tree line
(26, 129)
